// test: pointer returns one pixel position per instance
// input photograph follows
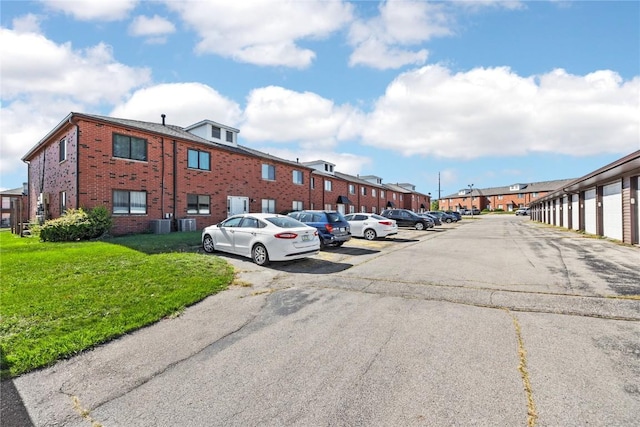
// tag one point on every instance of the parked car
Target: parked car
(262, 237)
(443, 216)
(406, 218)
(371, 226)
(434, 220)
(522, 211)
(456, 214)
(474, 211)
(332, 228)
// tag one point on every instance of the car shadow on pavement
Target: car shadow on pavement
(310, 266)
(350, 250)
(12, 409)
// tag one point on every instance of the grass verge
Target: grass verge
(58, 299)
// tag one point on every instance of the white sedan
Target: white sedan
(371, 226)
(262, 237)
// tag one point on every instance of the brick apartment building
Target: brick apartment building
(146, 172)
(13, 209)
(508, 198)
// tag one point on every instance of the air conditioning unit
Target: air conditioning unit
(187, 224)
(161, 226)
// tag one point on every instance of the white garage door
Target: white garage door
(637, 239)
(590, 211)
(575, 212)
(556, 206)
(565, 211)
(612, 210)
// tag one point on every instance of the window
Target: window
(327, 207)
(328, 168)
(382, 194)
(229, 136)
(215, 132)
(198, 204)
(352, 189)
(129, 202)
(393, 196)
(129, 147)
(363, 190)
(520, 196)
(198, 160)
(62, 148)
(297, 205)
(373, 209)
(268, 206)
(313, 182)
(534, 194)
(298, 177)
(63, 202)
(373, 192)
(327, 185)
(269, 172)
(500, 196)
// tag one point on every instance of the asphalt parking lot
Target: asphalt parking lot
(495, 321)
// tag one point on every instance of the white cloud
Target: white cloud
(32, 64)
(151, 26)
(495, 112)
(183, 103)
(383, 41)
(28, 23)
(93, 10)
(263, 32)
(43, 81)
(276, 114)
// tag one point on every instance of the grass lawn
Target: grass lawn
(57, 299)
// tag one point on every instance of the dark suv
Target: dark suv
(407, 218)
(332, 228)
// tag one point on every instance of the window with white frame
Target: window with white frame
(500, 197)
(229, 136)
(215, 132)
(129, 147)
(364, 191)
(297, 205)
(327, 207)
(382, 194)
(198, 160)
(363, 208)
(62, 150)
(129, 202)
(269, 172)
(352, 209)
(268, 206)
(352, 189)
(198, 204)
(373, 209)
(520, 196)
(327, 185)
(373, 192)
(313, 182)
(298, 177)
(63, 202)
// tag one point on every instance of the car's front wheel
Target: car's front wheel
(419, 226)
(448, 220)
(370, 234)
(260, 255)
(208, 245)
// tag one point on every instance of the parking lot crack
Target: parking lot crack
(532, 414)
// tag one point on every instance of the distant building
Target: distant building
(508, 198)
(14, 208)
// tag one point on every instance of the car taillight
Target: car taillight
(385, 222)
(329, 227)
(286, 235)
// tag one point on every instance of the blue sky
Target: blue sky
(479, 92)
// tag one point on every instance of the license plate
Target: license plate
(343, 229)
(305, 237)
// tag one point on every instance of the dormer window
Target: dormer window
(328, 168)
(229, 136)
(215, 132)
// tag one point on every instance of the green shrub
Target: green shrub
(76, 224)
(498, 210)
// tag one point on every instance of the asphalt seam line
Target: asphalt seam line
(532, 414)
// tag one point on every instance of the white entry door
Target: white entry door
(237, 205)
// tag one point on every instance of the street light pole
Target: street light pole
(471, 196)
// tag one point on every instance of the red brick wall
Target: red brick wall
(48, 175)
